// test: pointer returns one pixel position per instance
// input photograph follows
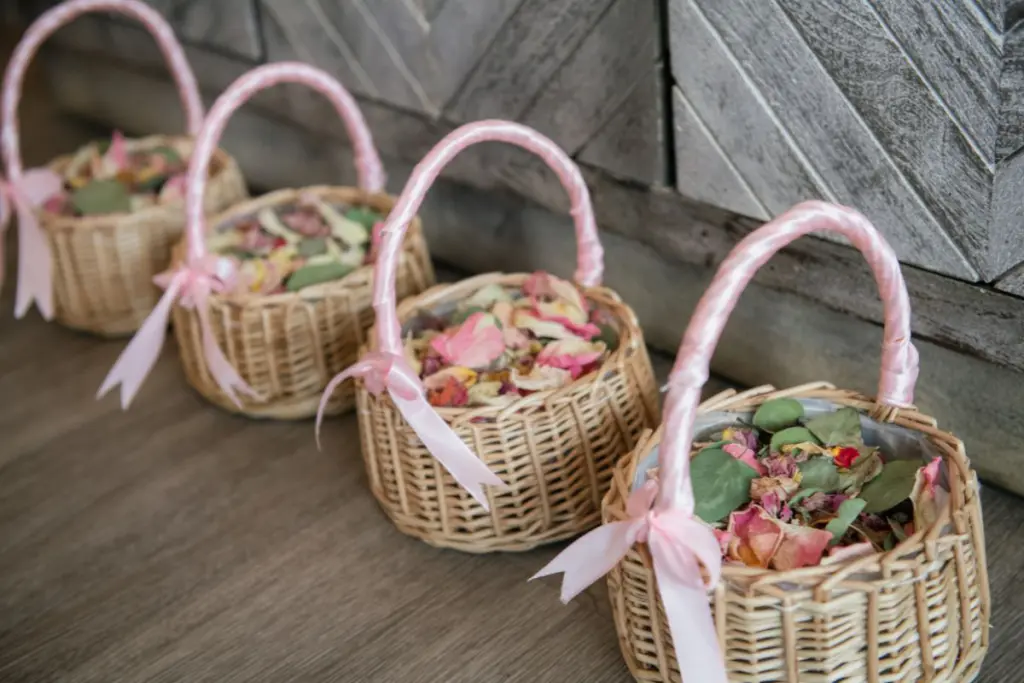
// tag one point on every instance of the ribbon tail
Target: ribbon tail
(35, 267)
(138, 358)
(467, 469)
(360, 368)
(226, 377)
(689, 613)
(590, 557)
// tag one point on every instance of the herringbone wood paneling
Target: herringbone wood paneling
(906, 109)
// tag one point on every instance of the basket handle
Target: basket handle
(202, 274)
(368, 165)
(51, 20)
(590, 255)
(899, 357)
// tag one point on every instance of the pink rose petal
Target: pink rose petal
(801, 546)
(475, 344)
(746, 456)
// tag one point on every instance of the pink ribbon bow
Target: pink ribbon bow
(679, 545)
(27, 193)
(193, 284)
(387, 371)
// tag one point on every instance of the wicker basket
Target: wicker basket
(102, 267)
(288, 346)
(269, 356)
(554, 450)
(918, 612)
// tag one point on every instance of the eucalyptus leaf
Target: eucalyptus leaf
(101, 197)
(315, 274)
(609, 335)
(364, 216)
(790, 436)
(839, 428)
(845, 516)
(891, 487)
(312, 246)
(778, 414)
(721, 484)
(819, 472)
(169, 153)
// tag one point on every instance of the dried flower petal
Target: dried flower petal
(746, 456)
(573, 355)
(541, 378)
(475, 344)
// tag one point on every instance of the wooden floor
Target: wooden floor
(174, 542)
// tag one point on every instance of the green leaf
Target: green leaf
(891, 487)
(168, 153)
(897, 530)
(364, 216)
(839, 428)
(889, 543)
(609, 335)
(721, 484)
(845, 516)
(819, 472)
(312, 246)
(803, 493)
(101, 197)
(316, 274)
(790, 436)
(151, 184)
(778, 414)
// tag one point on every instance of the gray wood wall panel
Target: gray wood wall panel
(230, 25)
(531, 47)
(716, 180)
(910, 110)
(919, 141)
(831, 137)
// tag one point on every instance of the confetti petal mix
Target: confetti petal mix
(789, 491)
(505, 342)
(114, 176)
(290, 247)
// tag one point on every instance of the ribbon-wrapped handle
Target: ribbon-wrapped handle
(369, 169)
(899, 357)
(590, 255)
(35, 267)
(48, 23)
(203, 273)
(385, 367)
(680, 544)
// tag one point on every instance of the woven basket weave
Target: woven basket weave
(288, 346)
(919, 612)
(103, 266)
(554, 450)
(265, 356)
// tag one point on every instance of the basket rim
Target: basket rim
(363, 275)
(223, 164)
(613, 505)
(630, 338)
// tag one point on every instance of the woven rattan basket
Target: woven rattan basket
(269, 356)
(287, 346)
(916, 613)
(95, 273)
(554, 450)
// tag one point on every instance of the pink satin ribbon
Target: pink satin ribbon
(192, 284)
(680, 545)
(26, 193)
(387, 371)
